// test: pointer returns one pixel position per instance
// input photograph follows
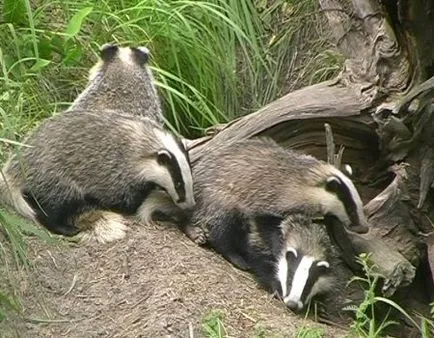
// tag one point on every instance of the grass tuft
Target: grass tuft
(366, 324)
(212, 325)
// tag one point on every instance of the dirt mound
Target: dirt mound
(154, 283)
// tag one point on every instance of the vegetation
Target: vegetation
(212, 325)
(366, 323)
(310, 332)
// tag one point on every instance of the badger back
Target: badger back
(121, 80)
(106, 154)
(258, 175)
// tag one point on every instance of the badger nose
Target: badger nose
(187, 205)
(294, 306)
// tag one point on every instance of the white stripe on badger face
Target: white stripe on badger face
(354, 195)
(282, 269)
(125, 55)
(282, 273)
(348, 169)
(299, 281)
(171, 145)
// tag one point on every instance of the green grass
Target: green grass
(366, 323)
(213, 60)
(310, 332)
(212, 325)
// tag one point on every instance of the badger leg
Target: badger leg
(237, 260)
(158, 206)
(11, 197)
(101, 226)
(228, 236)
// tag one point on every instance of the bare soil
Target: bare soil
(153, 283)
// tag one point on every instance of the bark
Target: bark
(380, 109)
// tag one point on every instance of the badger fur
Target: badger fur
(294, 258)
(122, 81)
(258, 176)
(87, 170)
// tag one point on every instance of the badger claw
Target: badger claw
(197, 234)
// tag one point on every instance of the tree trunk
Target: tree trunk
(380, 109)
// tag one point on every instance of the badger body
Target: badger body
(84, 170)
(258, 176)
(121, 81)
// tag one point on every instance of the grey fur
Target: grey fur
(101, 156)
(258, 176)
(121, 86)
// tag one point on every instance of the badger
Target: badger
(121, 81)
(259, 176)
(294, 258)
(83, 170)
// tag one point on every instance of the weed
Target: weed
(15, 228)
(366, 324)
(7, 303)
(310, 332)
(212, 325)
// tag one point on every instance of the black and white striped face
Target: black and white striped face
(174, 174)
(301, 277)
(346, 203)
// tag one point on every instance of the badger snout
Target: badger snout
(359, 229)
(295, 306)
(187, 204)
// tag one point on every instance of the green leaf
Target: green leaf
(45, 47)
(73, 56)
(14, 11)
(76, 21)
(39, 65)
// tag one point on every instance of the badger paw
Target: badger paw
(197, 234)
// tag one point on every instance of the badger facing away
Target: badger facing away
(122, 81)
(90, 169)
(294, 258)
(258, 176)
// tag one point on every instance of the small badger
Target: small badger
(258, 176)
(88, 170)
(294, 258)
(121, 81)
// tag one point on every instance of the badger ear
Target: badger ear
(333, 184)
(186, 143)
(141, 55)
(292, 250)
(323, 263)
(163, 157)
(347, 170)
(108, 51)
